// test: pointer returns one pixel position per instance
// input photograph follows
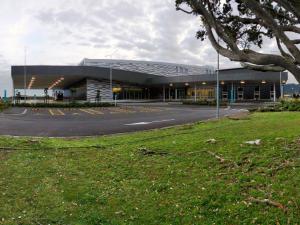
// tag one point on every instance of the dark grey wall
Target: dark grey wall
(47, 75)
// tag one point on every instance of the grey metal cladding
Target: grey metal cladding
(155, 68)
(225, 75)
(103, 86)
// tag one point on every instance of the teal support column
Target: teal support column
(231, 93)
(234, 94)
(5, 95)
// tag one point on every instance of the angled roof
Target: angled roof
(135, 72)
(154, 68)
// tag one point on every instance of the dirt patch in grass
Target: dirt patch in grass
(4, 155)
(240, 116)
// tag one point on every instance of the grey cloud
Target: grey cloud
(152, 30)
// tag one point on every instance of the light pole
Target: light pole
(25, 74)
(110, 81)
(281, 85)
(218, 85)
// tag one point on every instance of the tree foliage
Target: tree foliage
(244, 26)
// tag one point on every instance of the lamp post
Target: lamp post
(110, 81)
(25, 74)
(218, 85)
(281, 85)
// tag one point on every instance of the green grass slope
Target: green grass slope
(169, 176)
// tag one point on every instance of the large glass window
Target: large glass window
(203, 93)
(132, 93)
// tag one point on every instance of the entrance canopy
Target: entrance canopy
(63, 77)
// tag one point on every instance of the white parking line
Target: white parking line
(56, 112)
(18, 114)
(87, 111)
(95, 111)
(146, 123)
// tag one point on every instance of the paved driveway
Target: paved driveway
(52, 122)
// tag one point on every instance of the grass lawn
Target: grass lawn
(169, 176)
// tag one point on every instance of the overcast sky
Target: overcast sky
(57, 32)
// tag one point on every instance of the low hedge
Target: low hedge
(204, 103)
(284, 105)
(4, 105)
(64, 105)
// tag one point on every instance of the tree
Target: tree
(238, 30)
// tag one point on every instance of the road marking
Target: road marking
(17, 114)
(56, 112)
(50, 111)
(120, 110)
(61, 112)
(148, 110)
(95, 111)
(147, 123)
(24, 112)
(86, 111)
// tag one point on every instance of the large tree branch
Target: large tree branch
(232, 30)
(243, 20)
(268, 21)
(290, 28)
(290, 7)
(264, 68)
(183, 10)
(223, 51)
(296, 42)
(217, 27)
(283, 53)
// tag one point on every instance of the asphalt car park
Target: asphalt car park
(69, 122)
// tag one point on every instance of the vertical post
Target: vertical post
(175, 93)
(274, 90)
(110, 82)
(13, 94)
(231, 93)
(169, 94)
(25, 74)
(195, 93)
(281, 86)
(164, 93)
(218, 86)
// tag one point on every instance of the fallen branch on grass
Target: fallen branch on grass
(267, 202)
(148, 152)
(5, 149)
(222, 160)
(282, 166)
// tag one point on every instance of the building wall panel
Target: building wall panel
(104, 88)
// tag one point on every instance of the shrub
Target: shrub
(204, 102)
(4, 105)
(284, 105)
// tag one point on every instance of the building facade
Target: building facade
(142, 80)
